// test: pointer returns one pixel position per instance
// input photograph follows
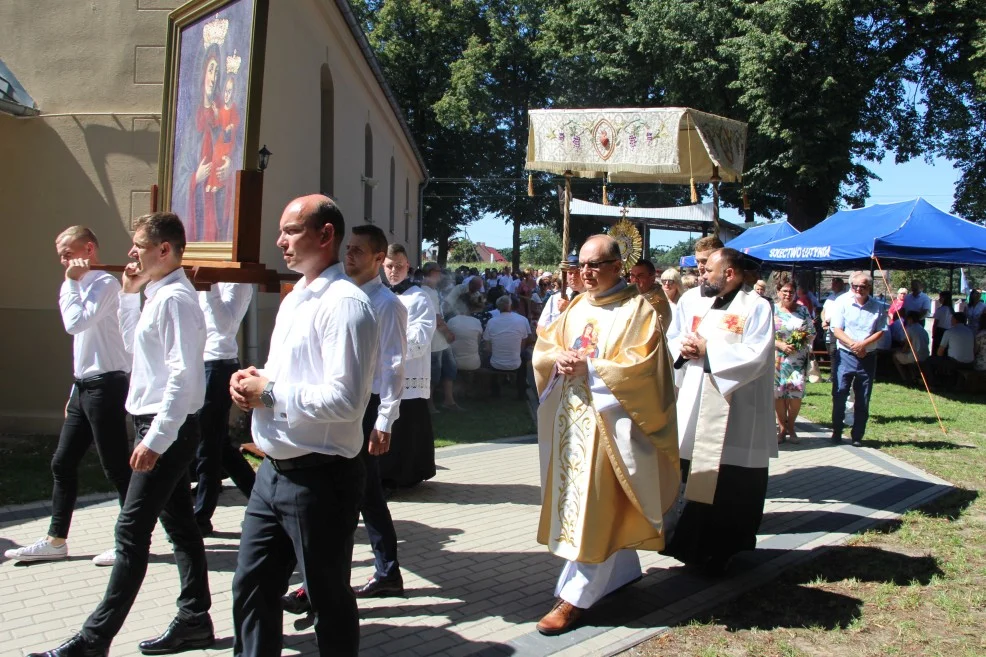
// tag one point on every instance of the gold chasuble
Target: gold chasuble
(657, 298)
(608, 441)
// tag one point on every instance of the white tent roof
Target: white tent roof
(701, 212)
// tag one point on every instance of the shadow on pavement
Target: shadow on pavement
(797, 600)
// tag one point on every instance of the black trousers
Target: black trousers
(717, 531)
(376, 515)
(95, 413)
(520, 375)
(161, 493)
(304, 517)
(215, 453)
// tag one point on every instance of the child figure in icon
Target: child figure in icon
(587, 344)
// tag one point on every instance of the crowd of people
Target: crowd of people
(654, 422)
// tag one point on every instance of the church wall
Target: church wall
(101, 64)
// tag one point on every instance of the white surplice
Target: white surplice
(741, 364)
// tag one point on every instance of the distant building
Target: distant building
(489, 254)
(81, 88)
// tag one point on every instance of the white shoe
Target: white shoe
(107, 558)
(42, 550)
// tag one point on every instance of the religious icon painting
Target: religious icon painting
(587, 344)
(211, 116)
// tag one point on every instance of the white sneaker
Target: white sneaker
(42, 550)
(107, 558)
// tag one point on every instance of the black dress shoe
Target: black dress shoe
(392, 587)
(77, 646)
(181, 635)
(297, 602)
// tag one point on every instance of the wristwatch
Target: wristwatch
(267, 395)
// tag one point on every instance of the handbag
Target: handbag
(814, 372)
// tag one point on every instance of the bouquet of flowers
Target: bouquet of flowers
(798, 339)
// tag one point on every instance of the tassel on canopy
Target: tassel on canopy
(530, 185)
(694, 191)
(605, 195)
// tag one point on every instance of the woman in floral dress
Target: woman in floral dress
(793, 335)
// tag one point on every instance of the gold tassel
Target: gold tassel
(530, 185)
(694, 192)
(746, 200)
(605, 195)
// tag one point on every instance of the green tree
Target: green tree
(671, 257)
(498, 78)
(826, 86)
(417, 42)
(462, 250)
(541, 246)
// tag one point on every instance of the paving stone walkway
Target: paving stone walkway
(476, 579)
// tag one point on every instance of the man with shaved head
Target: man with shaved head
(308, 403)
(607, 433)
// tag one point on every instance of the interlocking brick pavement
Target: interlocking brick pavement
(476, 579)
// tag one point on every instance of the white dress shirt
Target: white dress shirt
(166, 339)
(323, 353)
(89, 309)
(959, 343)
(388, 381)
(421, 325)
(920, 303)
(224, 306)
(505, 333)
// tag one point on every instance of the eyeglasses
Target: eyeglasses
(667, 282)
(596, 264)
(864, 286)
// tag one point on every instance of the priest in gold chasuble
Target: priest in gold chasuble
(607, 435)
(722, 339)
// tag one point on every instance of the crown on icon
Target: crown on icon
(233, 64)
(215, 31)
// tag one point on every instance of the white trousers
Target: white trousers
(584, 584)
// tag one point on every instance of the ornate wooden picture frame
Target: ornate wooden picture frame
(210, 120)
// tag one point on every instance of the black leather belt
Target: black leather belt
(99, 379)
(304, 461)
(224, 361)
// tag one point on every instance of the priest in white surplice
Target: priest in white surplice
(607, 435)
(722, 338)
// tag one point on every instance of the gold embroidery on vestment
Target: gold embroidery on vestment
(577, 430)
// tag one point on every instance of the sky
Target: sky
(935, 182)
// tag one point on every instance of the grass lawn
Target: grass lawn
(913, 587)
(26, 473)
(482, 419)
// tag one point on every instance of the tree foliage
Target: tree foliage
(540, 246)
(671, 256)
(462, 250)
(828, 87)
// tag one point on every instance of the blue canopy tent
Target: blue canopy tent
(752, 237)
(906, 235)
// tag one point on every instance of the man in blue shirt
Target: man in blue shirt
(858, 323)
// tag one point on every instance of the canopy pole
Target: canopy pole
(564, 231)
(715, 201)
(910, 345)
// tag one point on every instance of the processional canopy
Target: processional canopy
(674, 145)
